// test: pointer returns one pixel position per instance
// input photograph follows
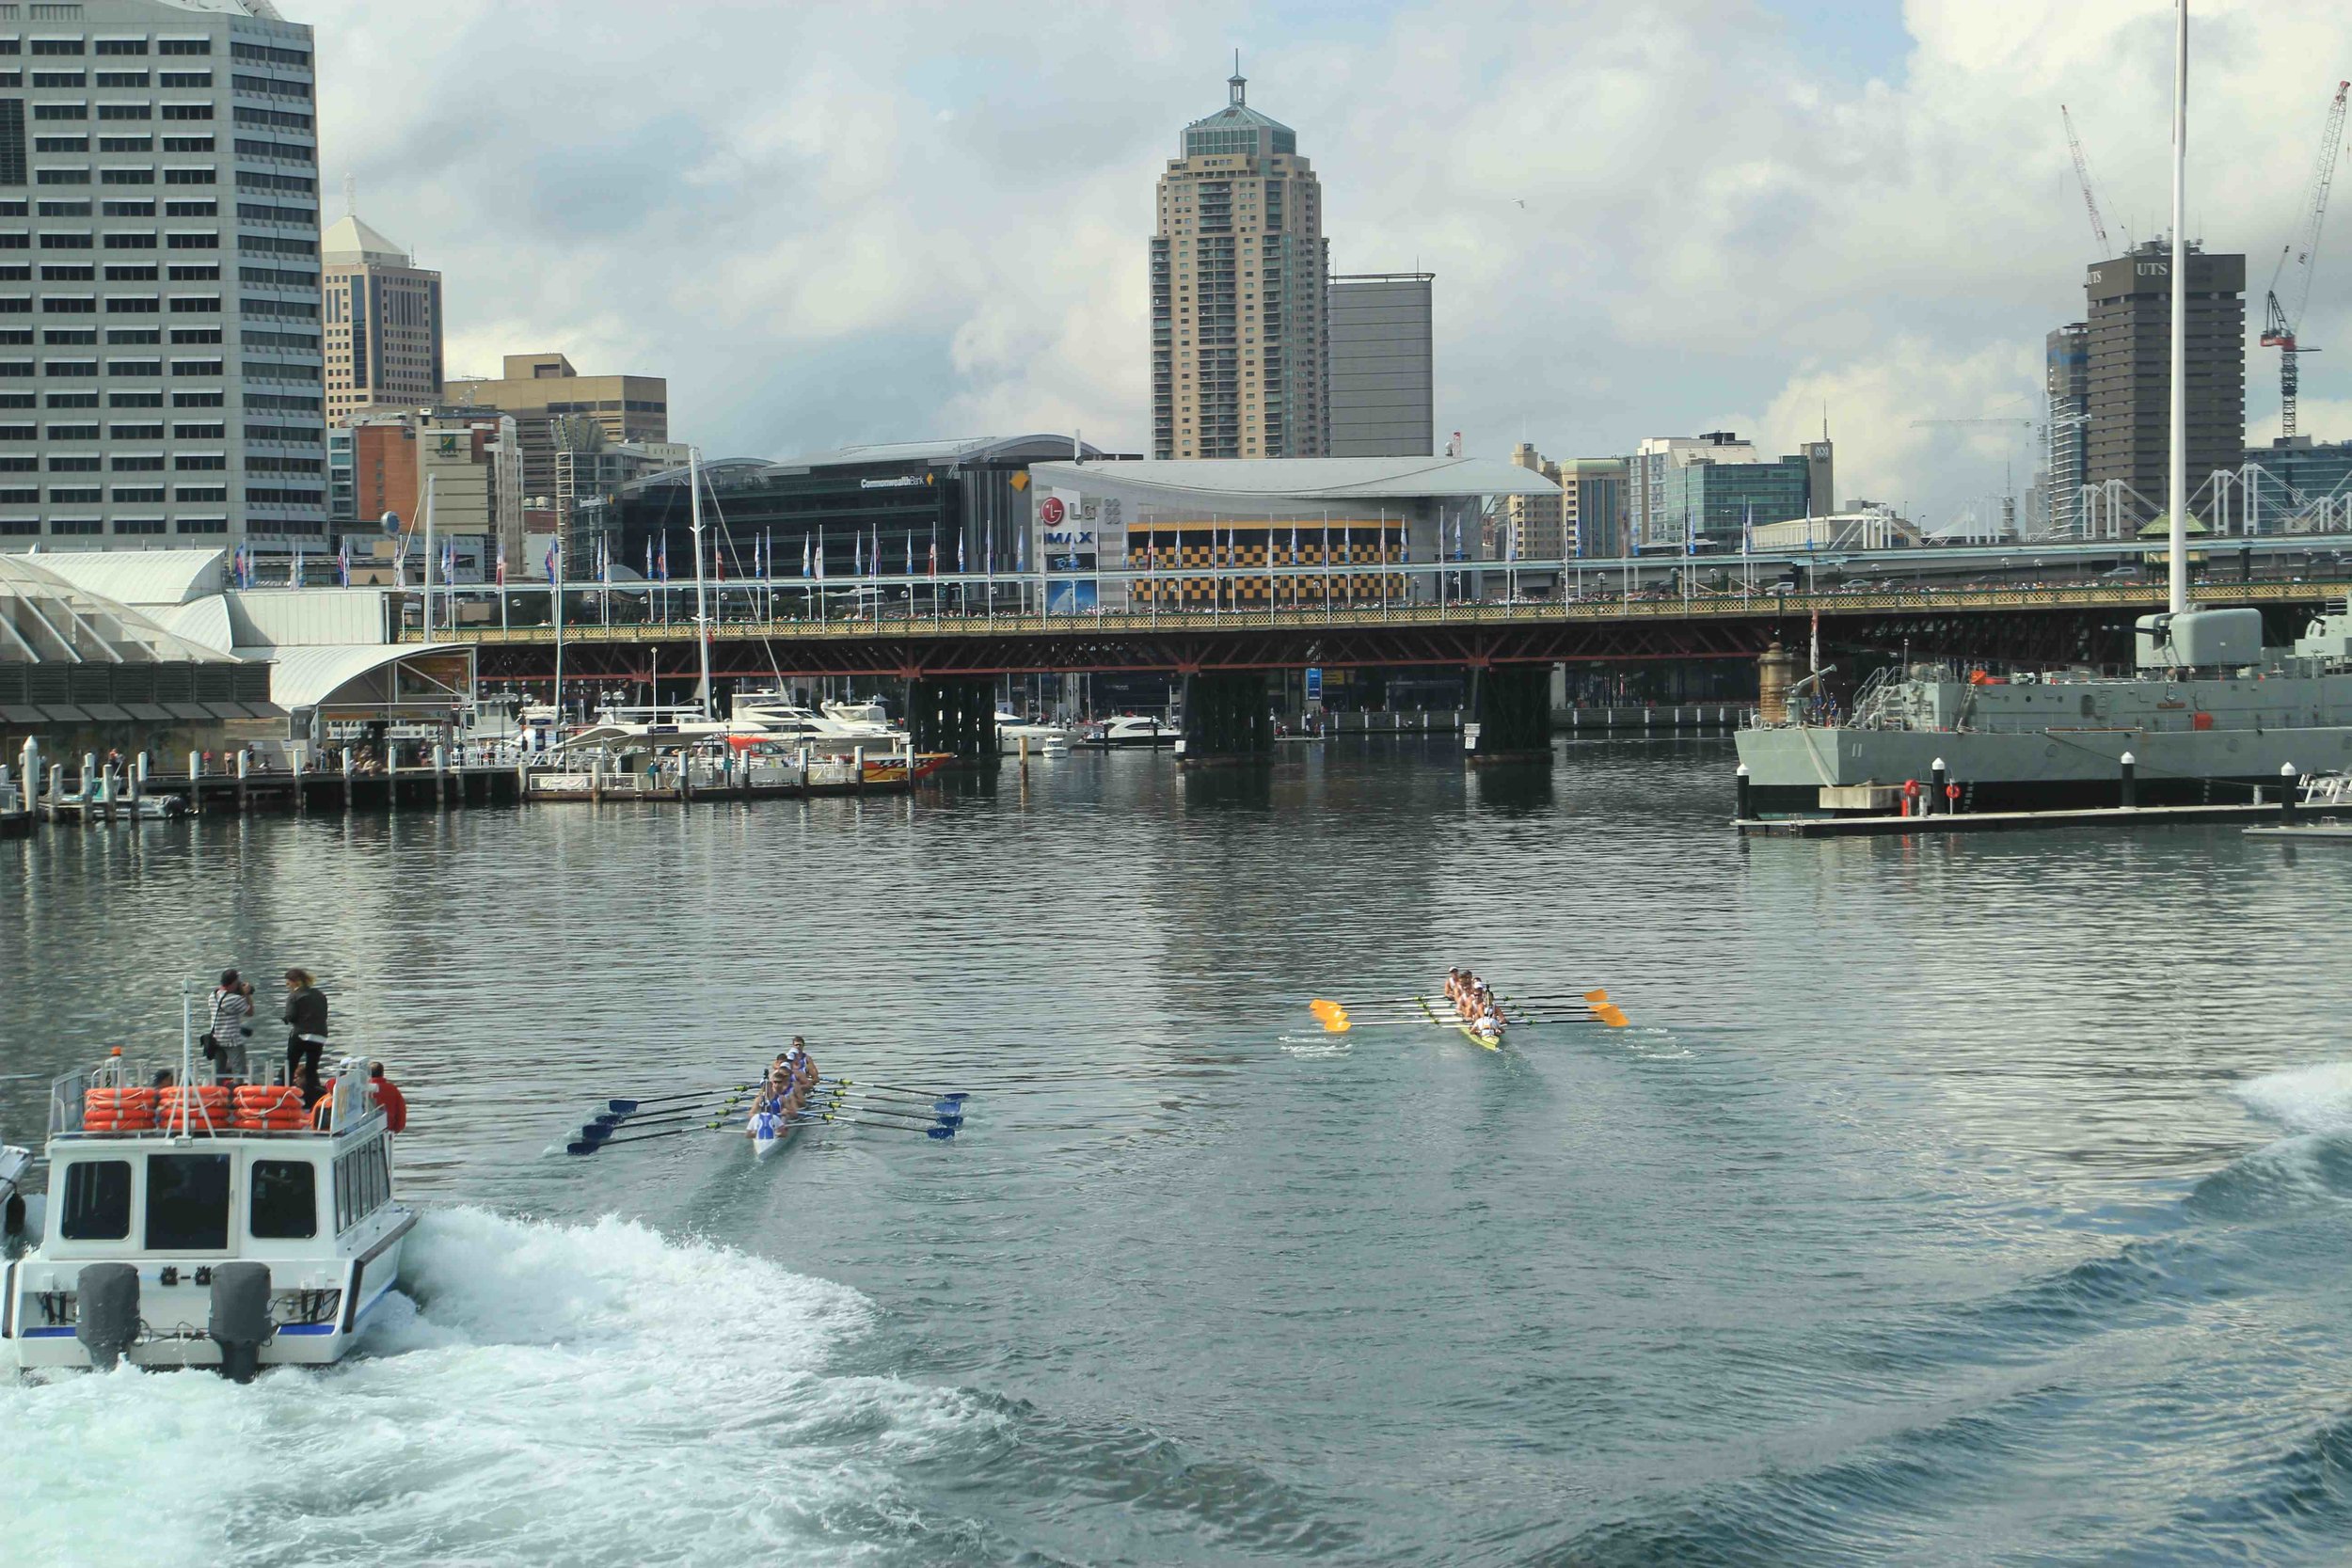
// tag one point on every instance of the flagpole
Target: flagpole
(428, 558)
(555, 602)
(702, 609)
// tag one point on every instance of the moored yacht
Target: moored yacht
(1012, 730)
(216, 1225)
(1126, 730)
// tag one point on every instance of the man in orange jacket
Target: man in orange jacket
(388, 1095)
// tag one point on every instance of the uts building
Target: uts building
(159, 278)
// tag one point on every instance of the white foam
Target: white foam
(541, 1392)
(2303, 1100)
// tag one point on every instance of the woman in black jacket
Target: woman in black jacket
(305, 1025)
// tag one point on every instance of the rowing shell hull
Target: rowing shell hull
(1462, 1029)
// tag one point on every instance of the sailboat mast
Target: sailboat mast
(2176, 478)
(702, 610)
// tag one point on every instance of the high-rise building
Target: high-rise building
(2130, 380)
(471, 460)
(1530, 528)
(1239, 349)
(555, 406)
(2067, 385)
(1594, 499)
(160, 382)
(1710, 503)
(1656, 526)
(1383, 385)
(382, 315)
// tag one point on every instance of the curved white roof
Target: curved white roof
(1308, 478)
(46, 619)
(305, 678)
(141, 578)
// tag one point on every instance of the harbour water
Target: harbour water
(1972, 1200)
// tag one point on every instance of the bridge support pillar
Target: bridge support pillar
(1511, 705)
(954, 715)
(1227, 723)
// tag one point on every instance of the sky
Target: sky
(836, 223)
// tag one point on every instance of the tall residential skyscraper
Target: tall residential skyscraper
(383, 322)
(1383, 389)
(161, 380)
(2130, 367)
(2067, 384)
(1656, 524)
(1239, 348)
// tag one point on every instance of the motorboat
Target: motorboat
(206, 1225)
(828, 727)
(1128, 730)
(1012, 730)
(16, 1217)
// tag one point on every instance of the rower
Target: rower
(1488, 1026)
(802, 1065)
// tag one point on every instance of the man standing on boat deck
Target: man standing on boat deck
(305, 1025)
(388, 1095)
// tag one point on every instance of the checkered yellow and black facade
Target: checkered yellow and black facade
(1351, 554)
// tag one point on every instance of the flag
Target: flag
(648, 557)
(821, 555)
(804, 555)
(857, 555)
(718, 564)
(911, 552)
(959, 555)
(550, 562)
(934, 560)
(1458, 538)
(1021, 551)
(1293, 544)
(874, 559)
(342, 566)
(293, 577)
(662, 561)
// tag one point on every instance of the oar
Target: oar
(886, 1126)
(692, 1107)
(945, 1118)
(624, 1107)
(903, 1102)
(899, 1088)
(590, 1146)
(1407, 1000)
(602, 1133)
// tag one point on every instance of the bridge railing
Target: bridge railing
(924, 622)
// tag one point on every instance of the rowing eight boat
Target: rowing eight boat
(1463, 1029)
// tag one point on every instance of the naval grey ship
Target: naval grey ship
(2211, 716)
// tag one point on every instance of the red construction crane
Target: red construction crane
(2280, 321)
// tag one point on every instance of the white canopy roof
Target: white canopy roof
(1308, 478)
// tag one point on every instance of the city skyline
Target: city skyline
(923, 229)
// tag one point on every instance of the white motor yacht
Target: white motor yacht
(1012, 730)
(1127, 730)
(216, 1225)
(830, 727)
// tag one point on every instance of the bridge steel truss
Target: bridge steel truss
(2024, 627)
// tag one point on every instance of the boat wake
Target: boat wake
(535, 1392)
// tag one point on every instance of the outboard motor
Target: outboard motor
(106, 1316)
(240, 1323)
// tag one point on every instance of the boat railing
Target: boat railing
(198, 1114)
(2327, 789)
(1875, 700)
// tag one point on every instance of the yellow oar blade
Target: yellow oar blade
(1334, 1017)
(1596, 996)
(1611, 1014)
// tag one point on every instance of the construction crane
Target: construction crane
(2280, 321)
(2082, 176)
(2028, 425)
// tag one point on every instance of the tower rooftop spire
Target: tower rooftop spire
(1237, 84)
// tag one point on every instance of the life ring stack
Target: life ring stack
(131, 1110)
(270, 1108)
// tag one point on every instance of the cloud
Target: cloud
(830, 222)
